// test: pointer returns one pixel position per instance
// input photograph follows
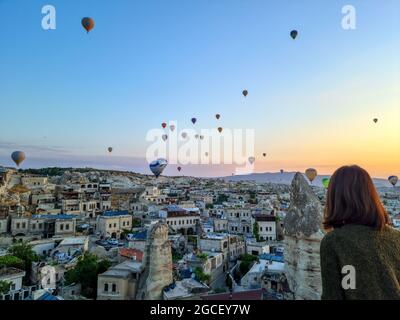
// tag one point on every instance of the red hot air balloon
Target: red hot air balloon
(164, 125)
(88, 24)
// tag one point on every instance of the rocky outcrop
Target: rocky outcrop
(157, 264)
(303, 234)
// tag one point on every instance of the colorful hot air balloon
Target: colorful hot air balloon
(164, 125)
(172, 127)
(251, 160)
(88, 24)
(220, 129)
(393, 180)
(179, 169)
(325, 182)
(218, 116)
(164, 137)
(375, 120)
(293, 34)
(245, 93)
(311, 174)
(264, 154)
(18, 157)
(184, 135)
(158, 166)
(110, 149)
(193, 120)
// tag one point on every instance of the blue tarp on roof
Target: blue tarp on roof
(115, 213)
(54, 216)
(141, 235)
(47, 296)
(273, 257)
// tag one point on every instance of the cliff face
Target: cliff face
(303, 234)
(158, 264)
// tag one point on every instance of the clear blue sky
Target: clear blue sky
(67, 93)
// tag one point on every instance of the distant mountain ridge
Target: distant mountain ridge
(287, 177)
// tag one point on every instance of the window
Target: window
(106, 287)
(115, 225)
(127, 223)
(110, 225)
(67, 226)
(17, 225)
(40, 225)
(13, 287)
(114, 287)
(33, 226)
(260, 228)
(123, 223)
(23, 225)
(61, 226)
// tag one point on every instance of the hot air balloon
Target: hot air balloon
(172, 127)
(264, 154)
(201, 137)
(325, 182)
(179, 169)
(393, 180)
(193, 120)
(220, 129)
(157, 166)
(164, 137)
(206, 154)
(196, 136)
(184, 135)
(164, 125)
(251, 160)
(18, 157)
(110, 149)
(294, 34)
(375, 120)
(245, 93)
(311, 174)
(88, 24)
(218, 116)
(281, 170)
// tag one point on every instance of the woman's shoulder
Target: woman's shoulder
(352, 232)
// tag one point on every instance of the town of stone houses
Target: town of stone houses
(86, 234)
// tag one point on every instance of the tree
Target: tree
(85, 272)
(11, 261)
(24, 252)
(4, 286)
(256, 231)
(201, 276)
(228, 281)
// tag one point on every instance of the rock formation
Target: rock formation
(303, 234)
(157, 264)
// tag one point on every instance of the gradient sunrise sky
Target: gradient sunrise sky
(65, 95)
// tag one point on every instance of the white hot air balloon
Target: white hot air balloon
(158, 166)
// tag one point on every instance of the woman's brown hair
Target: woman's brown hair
(353, 199)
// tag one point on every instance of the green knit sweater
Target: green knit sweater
(375, 256)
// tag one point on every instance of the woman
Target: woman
(360, 254)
